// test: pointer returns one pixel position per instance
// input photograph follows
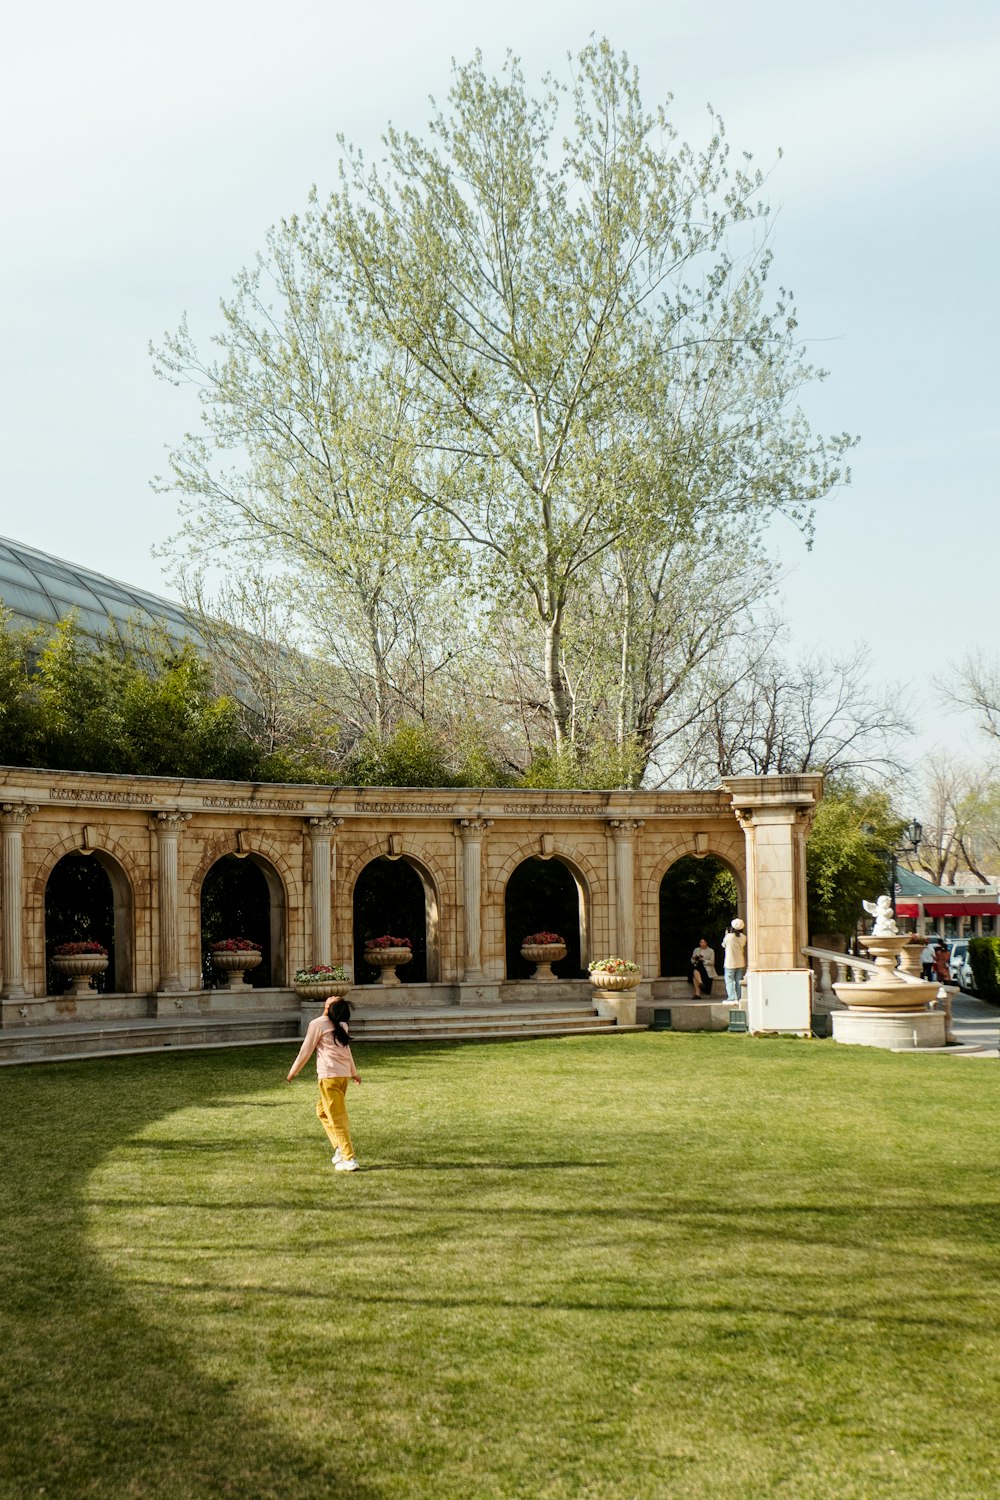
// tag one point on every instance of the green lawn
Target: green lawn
(647, 1266)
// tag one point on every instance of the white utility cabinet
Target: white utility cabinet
(780, 1000)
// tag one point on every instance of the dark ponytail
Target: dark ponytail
(338, 1013)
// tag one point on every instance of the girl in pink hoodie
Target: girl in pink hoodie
(328, 1037)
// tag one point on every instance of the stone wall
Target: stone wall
(157, 838)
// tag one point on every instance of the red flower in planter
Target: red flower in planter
(72, 950)
(388, 942)
(235, 945)
(544, 938)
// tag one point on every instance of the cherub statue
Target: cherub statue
(883, 921)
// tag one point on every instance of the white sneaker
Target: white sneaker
(347, 1164)
(336, 1156)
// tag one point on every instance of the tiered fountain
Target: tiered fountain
(888, 1010)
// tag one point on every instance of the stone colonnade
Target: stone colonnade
(160, 836)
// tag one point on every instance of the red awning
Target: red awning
(942, 906)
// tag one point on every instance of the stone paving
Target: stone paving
(977, 1022)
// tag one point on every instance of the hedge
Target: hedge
(984, 956)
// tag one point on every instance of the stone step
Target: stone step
(374, 1031)
(79, 1039)
(75, 1039)
(675, 988)
(521, 1033)
(461, 1015)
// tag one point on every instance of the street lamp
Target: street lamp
(913, 833)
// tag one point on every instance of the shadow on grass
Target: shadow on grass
(92, 1402)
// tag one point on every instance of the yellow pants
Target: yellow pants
(332, 1112)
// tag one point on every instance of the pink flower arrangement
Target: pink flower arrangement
(545, 939)
(72, 950)
(236, 945)
(388, 942)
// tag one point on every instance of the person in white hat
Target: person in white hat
(734, 946)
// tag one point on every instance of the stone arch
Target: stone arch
(118, 864)
(277, 878)
(720, 849)
(244, 843)
(583, 878)
(679, 855)
(579, 864)
(431, 884)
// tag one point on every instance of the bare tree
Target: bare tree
(783, 717)
(975, 684)
(949, 837)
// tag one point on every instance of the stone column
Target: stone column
(168, 827)
(321, 831)
(776, 813)
(13, 817)
(472, 830)
(623, 831)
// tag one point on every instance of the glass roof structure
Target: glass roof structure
(39, 590)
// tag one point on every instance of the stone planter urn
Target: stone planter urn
(543, 956)
(614, 993)
(80, 968)
(909, 957)
(322, 989)
(235, 965)
(614, 984)
(386, 961)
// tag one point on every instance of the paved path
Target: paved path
(976, 1021)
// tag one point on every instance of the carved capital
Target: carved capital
(170, 822)
(474, 828)
(323, 827)
(625, 828)
(744, 817)
(17, 813)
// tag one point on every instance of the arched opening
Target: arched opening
(699, 897)
(398, 897)
(546, 895)
(242, 897)
(88, 897)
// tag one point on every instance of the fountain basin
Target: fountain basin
(887, 994)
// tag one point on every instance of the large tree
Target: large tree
(532, 353)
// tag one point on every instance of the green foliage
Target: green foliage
(601, 766)
(847, 858)
(142, 706)
(19, 727)
(984, 956)
(416, 755)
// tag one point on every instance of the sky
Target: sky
(148, 149)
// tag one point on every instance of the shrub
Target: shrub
(984, 956)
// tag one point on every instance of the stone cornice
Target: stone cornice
(65, 792)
